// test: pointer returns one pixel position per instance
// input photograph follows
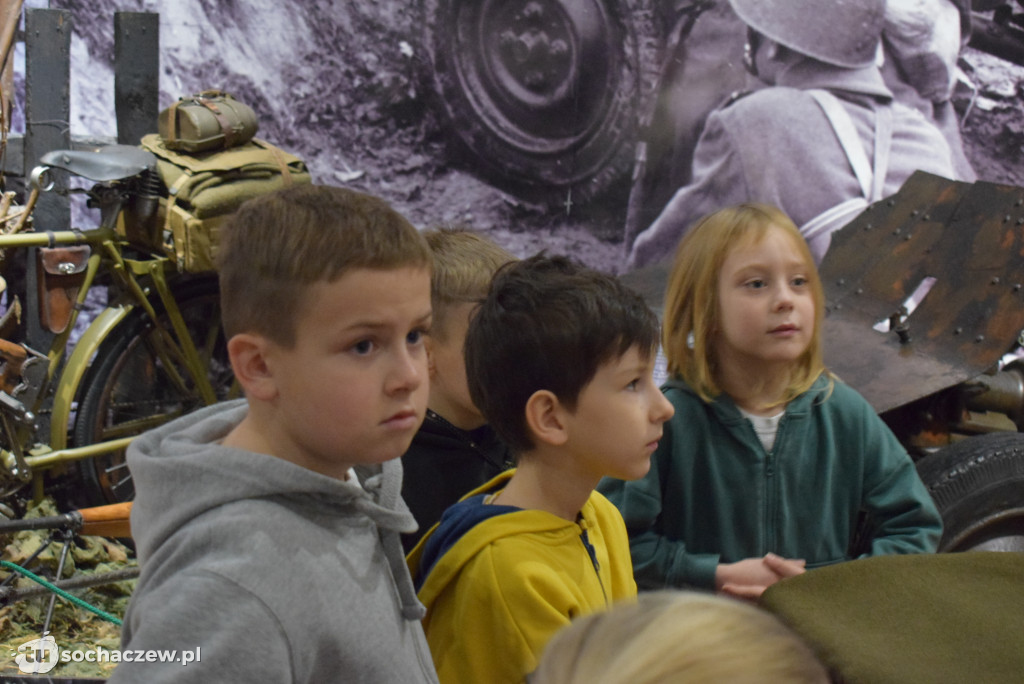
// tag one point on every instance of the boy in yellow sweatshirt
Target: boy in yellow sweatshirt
(559, 360)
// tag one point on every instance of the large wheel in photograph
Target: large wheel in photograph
(544, 95)
(978, 485)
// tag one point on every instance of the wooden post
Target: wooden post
(47, 127)
(136, 74)
(10, 15)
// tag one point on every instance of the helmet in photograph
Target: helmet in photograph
(845, 33)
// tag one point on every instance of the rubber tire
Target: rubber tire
(978, 486)
(125, 382)
(571, 135)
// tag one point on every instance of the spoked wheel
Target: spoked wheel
(545, 95)
(129, 388)
(978, 485)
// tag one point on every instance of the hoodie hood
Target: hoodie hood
(471, 526)
(182, 472)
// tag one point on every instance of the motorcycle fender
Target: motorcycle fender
(76, 367)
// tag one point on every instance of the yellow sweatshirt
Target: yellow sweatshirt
(499, 581)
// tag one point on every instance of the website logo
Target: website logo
(38, 656)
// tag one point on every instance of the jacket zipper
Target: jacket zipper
(771, 489)
(593, 558)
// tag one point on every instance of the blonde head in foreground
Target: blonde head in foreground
(676, 636)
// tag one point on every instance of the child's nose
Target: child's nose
(784, 297)
(408, 372)
(661, 408)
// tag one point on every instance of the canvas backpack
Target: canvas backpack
(203, 189)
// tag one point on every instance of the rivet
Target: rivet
(979, 338)
(995, 280)
(957, 331)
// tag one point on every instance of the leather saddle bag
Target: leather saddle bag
(61, 274)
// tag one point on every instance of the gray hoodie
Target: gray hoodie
(258, 570)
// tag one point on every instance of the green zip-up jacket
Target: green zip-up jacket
(713, 495)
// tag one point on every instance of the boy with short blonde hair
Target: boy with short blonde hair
(455, 450)
(559, 359)
(267, 528)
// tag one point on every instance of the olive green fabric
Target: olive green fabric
(204, 188)
(210, 120)
(955, 617)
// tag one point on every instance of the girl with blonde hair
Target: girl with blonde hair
(770, 464)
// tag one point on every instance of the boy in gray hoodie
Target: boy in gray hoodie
(268, 528)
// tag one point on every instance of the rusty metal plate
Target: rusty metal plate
(970, 239)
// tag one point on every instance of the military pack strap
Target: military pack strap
(172, 198)
(171, 136)
(883, 144)
(286, 172)
(870, 177)
(230, 135)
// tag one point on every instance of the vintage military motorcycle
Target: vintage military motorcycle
(151, 352)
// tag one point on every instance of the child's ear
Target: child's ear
(248, 354)
(545, 417)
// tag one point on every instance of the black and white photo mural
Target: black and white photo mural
(573, 125)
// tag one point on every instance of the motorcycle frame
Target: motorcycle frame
(137, 279)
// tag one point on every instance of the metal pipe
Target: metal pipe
(10, 594)
(1002, 392)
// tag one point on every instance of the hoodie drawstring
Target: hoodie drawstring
(385, 487)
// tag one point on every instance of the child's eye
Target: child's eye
(416, 336)
(633, 385)
(756, 284)
(799, 281)
(363, 347)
